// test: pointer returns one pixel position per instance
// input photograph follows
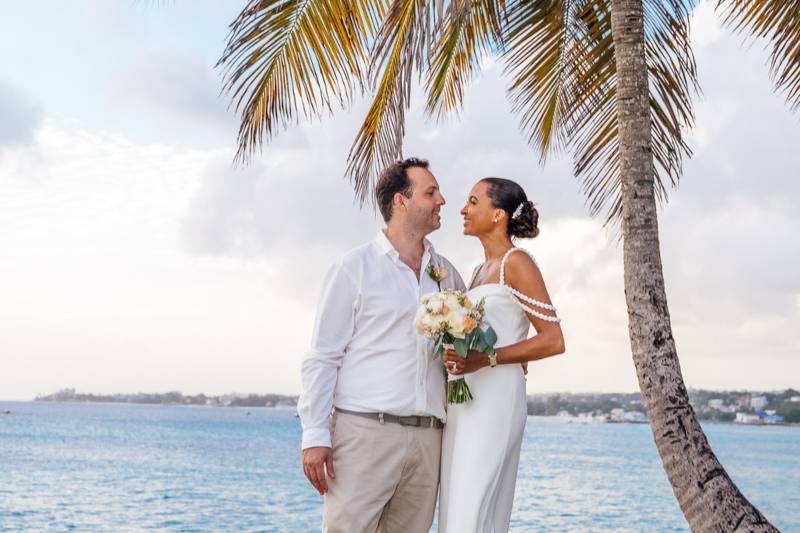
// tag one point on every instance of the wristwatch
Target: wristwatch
(492, 359)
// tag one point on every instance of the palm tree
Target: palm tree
(609, 81)
(707, 496)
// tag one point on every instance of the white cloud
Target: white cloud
(20, 117)
(705, 25)
(286, 202)
(180, 87)
(133, 266)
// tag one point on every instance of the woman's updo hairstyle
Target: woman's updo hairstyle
(523, 219)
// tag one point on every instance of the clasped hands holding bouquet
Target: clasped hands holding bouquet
(474, 361)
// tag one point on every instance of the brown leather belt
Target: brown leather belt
(412, 420)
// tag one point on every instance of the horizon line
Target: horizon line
(732, 390)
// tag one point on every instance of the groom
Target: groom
(376, 457)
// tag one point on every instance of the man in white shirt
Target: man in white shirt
(376, 457)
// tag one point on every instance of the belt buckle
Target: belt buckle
(410, 420)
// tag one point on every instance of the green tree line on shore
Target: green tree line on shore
(538, 404)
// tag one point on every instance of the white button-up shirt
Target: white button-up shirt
(365, 353)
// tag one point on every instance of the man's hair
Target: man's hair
(394, 179)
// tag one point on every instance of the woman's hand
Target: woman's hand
(457, 365)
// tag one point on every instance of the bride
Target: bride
(482, 438)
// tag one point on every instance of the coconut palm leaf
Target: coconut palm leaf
(561, 59)
(779, 22)
(539, 41)
(400, 50)
(287, 59)
(468, 31)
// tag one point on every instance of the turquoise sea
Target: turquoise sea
(115, 467)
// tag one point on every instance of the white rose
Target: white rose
(435, 305)
(421, 321)
(456, 323)
(452, 301)
(427, 297)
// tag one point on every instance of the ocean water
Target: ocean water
(114, 467)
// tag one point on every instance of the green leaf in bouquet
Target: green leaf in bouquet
(480, 345)
(472, 338)
(476, 340)
(438, 348)
(461, 347)
(489, 336)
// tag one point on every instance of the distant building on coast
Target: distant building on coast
(760, 418)
(616, 415)
(744, 418)
(716, 403)
(635, 417)
(631, 417)
(758, 402)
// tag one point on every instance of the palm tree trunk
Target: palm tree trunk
(707, 496)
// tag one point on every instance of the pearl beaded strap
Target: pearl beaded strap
(519, 296)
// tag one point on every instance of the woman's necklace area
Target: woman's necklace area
(483, 273)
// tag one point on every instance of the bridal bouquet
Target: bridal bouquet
(450, 318)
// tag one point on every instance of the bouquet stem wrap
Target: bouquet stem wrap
(457, 388)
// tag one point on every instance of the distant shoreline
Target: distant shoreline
(569, 419)
(734, 407)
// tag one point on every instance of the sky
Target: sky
(135, 257)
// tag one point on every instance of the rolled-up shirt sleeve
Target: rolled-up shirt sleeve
(333, 329)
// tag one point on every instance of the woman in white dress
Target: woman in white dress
(482, 438)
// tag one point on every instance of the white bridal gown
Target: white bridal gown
(482, 437)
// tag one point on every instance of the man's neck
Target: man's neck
(410, 244)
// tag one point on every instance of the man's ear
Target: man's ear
(399, 202)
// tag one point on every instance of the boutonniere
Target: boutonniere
(437, 274)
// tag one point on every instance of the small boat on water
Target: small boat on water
(6, 411)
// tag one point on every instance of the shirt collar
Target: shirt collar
(386, 247)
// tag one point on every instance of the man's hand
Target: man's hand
(316, 461)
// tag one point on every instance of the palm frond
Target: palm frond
(778, 21)
(539, 42)
(562, 61)
(287, 59)
(468, 31)
(400, 49)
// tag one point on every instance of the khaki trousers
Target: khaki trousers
(387, 477)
